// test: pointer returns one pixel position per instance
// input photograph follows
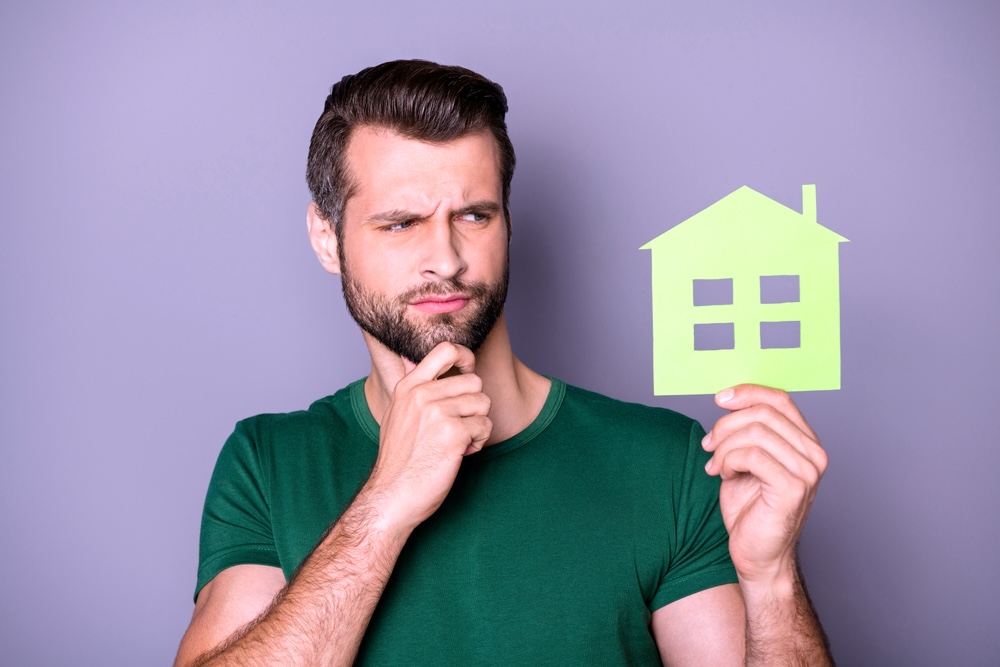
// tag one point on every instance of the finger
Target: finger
(408, 365)
(480, 429)
(457, 436)
(445, 355)
(775, 422)
(745, 395)
(757, 436)
(738, 419)
(780, 489)
(460, 387)
(767, 415)
(464, 405)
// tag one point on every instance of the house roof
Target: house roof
(747, 213)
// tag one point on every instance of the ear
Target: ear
(323, 239)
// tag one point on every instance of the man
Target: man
(456, 506)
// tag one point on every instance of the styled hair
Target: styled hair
(415, 98)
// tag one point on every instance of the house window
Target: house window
(718, 336)
(779, 289)
(713, 292)
(780, 335)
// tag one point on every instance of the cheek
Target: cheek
(500, 255)
(365, 258)
(492, 250)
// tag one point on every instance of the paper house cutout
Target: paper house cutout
(766, 282)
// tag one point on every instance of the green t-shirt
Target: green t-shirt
(553, 547)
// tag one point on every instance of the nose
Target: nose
(442, 256)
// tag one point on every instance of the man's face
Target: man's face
(423, 251)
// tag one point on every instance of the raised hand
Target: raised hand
(431, 423)
(770, 462)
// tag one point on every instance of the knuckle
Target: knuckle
(821, 460)
(466, 389)
(487, 428)
(811, 476)
(449, 430)
(765, 411)
(758, 431)
(756, 456)
(434, 410)
(420, 395)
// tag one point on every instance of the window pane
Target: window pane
(713, 292)
(714, 336)
(780, 334)
(779, 289)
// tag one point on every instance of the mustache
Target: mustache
(450, 286)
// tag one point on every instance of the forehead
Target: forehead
(389, 169)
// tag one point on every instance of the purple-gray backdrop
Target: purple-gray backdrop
(156, 284)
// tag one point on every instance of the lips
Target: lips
(440, 303)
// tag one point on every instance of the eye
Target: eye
(474, 217)
(399, 226)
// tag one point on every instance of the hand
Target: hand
(430, 424)
(770, 462)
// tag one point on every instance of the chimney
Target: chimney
(809, 203)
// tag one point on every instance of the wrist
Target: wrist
(378, 513)
(777, 588)
(781, 624)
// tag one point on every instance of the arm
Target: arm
(227, 603)
(321, 616)
(770, 462)
(706, 628)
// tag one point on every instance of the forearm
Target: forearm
(782, 627)
(322, 615)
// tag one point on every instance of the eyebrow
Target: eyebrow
(481, 206)
(392, 215)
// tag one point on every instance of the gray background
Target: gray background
(156, 284)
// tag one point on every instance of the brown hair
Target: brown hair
(418, 100)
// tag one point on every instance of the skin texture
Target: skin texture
(429, 215)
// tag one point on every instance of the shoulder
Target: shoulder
(629, 419)
(331, 412)
(267, 437)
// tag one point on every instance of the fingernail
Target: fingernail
(707, 439)
(708, 466)
(725, 395)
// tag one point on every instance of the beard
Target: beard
(384, 317)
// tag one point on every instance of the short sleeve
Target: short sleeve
(236, 523)
(700, 557)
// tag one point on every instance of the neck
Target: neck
(516, 392)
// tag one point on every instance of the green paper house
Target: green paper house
(747, 290)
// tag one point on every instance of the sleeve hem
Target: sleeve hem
(244, 555)
(675, 590)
